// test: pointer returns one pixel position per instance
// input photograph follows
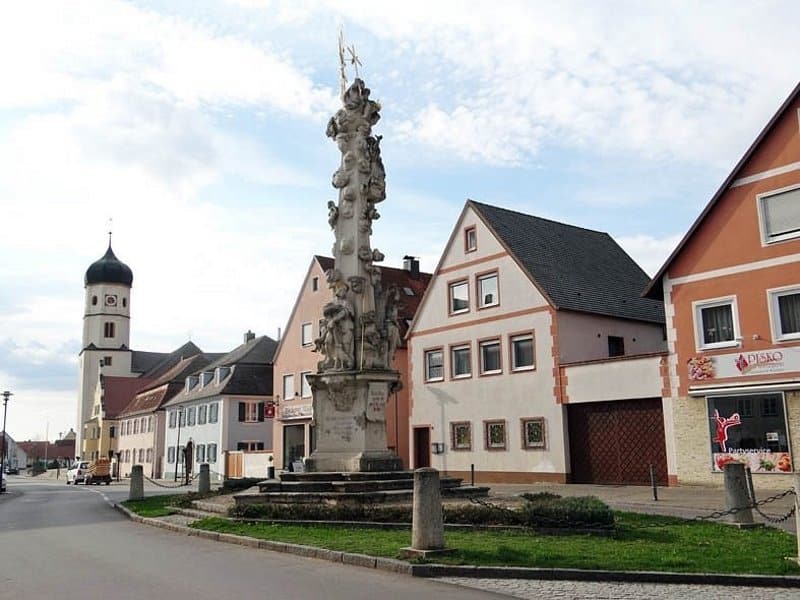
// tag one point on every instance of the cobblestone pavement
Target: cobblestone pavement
(538, 589)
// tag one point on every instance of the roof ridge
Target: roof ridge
(537, 217)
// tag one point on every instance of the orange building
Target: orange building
(295, 358)
(731, 293)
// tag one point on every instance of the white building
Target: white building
(226, 411)
(533, 355)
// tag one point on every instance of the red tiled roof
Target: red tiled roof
(402, 279)
(36, 450)
(119, 391)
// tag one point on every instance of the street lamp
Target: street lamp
(6, 396)
(178, 444)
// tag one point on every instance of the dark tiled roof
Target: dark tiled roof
(153, 396)
(155, 364)
(119, 391)
(260, 350)
(109, 269)
(577, 269)
(402, 279)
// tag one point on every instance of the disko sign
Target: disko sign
(743, 364)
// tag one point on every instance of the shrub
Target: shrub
(233, 485)
(581, 511)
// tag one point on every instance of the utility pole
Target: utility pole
(6, 396)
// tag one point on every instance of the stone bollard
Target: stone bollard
(736, 494)
(797, 513)
(204, 481)
(137, 483)
(427, 526)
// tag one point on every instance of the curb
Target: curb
(434, 570)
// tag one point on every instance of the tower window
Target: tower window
(94, 300)
(108, 330)
(315, 284)
(106, 361)
(124, 302)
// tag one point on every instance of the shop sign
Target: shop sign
(743, 364)
(750, 429)
(293, 412)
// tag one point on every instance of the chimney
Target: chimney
(411, 264)
(249, 336)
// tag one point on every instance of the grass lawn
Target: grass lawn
(663, 544)
(152, 506)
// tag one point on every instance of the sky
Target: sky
(199, 129)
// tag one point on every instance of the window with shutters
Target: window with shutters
(173, 418)
(251, 412)
(202, 413)
(212, 453)
(190, 416)
(779, 212)
(213, 412)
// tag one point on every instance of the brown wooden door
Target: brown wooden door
(616, 442)
(422, 447)
(234, 463)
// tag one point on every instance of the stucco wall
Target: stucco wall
(584, 336)
(614, 379)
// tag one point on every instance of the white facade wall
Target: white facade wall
(583, 336)
(509, 396)
(209, 433)
(618, 379)
(129, 444)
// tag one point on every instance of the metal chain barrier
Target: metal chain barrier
(170, 486)
(543, 520)
(717, 514)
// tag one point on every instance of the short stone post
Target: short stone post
(204, 481)
(736, 494)
(427, 526)
(137, 483)
(797, 513)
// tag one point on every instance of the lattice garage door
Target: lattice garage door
(616, 442)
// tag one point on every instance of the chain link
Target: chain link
(717, 514)
(170, 486)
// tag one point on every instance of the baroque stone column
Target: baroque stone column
(359, 332)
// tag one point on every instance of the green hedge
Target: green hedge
(539, 510)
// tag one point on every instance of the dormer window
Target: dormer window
(206, 377)
(191, 381)
(221, 373)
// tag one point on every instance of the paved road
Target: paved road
(66, 542)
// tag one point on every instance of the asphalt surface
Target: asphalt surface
(67, 542)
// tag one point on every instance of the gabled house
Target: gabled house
(295, 358)
(142, 422)
(112, 395)
(16, 458)
(225, 410)
(535, 358)
(731, 290)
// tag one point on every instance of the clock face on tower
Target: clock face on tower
(111, 300)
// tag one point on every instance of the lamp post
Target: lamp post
(178, 444)
(6, 396)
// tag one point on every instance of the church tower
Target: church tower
(106, 331)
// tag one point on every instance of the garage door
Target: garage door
(616, 442)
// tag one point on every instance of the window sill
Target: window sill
(718, 346)
(438, 380)
(523, 369)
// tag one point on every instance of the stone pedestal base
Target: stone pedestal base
(350, 422)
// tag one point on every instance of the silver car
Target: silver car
(77, 472)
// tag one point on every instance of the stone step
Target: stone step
(338, 485)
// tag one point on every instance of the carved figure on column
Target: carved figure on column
(392, 324)
(339, 323)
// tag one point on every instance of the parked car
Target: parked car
(77, 472)
(12, 471)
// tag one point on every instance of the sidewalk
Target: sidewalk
(686, 501)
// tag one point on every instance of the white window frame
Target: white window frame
(191, 416)
(481, 365)
(202, 414)
(306, 334)
(288, 394)
(511, 348)
(470, 238)
(775, 315)
(450, 298)
(479, 291)
(305, 386)
(698, 306)
(453, 350)
(213, 412)
(170, 455)
(426, 356)
(211, 453)
(766, 240)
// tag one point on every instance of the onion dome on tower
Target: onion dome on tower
(109, 269)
